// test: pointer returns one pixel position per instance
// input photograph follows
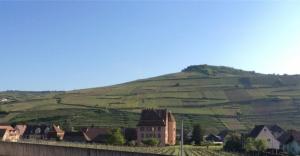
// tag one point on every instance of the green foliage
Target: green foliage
(255, 145)
(151, 142)
(260, 145)
(233, 143)
(213, 70)
(116, 137)
(198, 134)
(58, 100)
(213, 101)
(249, 145)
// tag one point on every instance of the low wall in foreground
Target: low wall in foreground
(27, 149)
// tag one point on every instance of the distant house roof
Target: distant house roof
(276, 130)
(153, 117)
(74, 137)
(57, 129)
(256, 130)
(6, 126)
(97, 134)
(290, 136)
(284, 137)
(21, 129)
(213, 138)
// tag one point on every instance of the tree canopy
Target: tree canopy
(197, 135)
(116, 137)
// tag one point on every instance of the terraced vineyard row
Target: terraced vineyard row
(206, 152)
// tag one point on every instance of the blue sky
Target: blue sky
(72, 45)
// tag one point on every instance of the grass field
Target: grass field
(217, 97)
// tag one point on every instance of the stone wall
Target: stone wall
(27, 149)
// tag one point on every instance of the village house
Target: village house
(276, 130)
(291, 142)
(157, 123)
(214, 139)
(55, 133)
(43, 131)
(96, 135)
(20, 129)
(262, 132)
(8, 133)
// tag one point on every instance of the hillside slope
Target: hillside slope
(217, 97)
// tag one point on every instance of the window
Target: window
(158, 128)
(142, 128)
(158, 135)
(142, 135)
(269, 140)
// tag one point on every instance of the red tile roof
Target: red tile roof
(93, 133)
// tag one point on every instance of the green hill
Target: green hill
(216, 97)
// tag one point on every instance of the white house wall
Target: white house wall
(268, 138)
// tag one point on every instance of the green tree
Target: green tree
(116, 137)
(151, 142)
(252, 145)
(249, 145)
(233, 143)
(197, 135)
(260, 145)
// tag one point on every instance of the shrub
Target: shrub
(233, 144)
(116, 137)
(151, 142)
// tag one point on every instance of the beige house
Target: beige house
(262, 132)
(8, 133)
(159, 124)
